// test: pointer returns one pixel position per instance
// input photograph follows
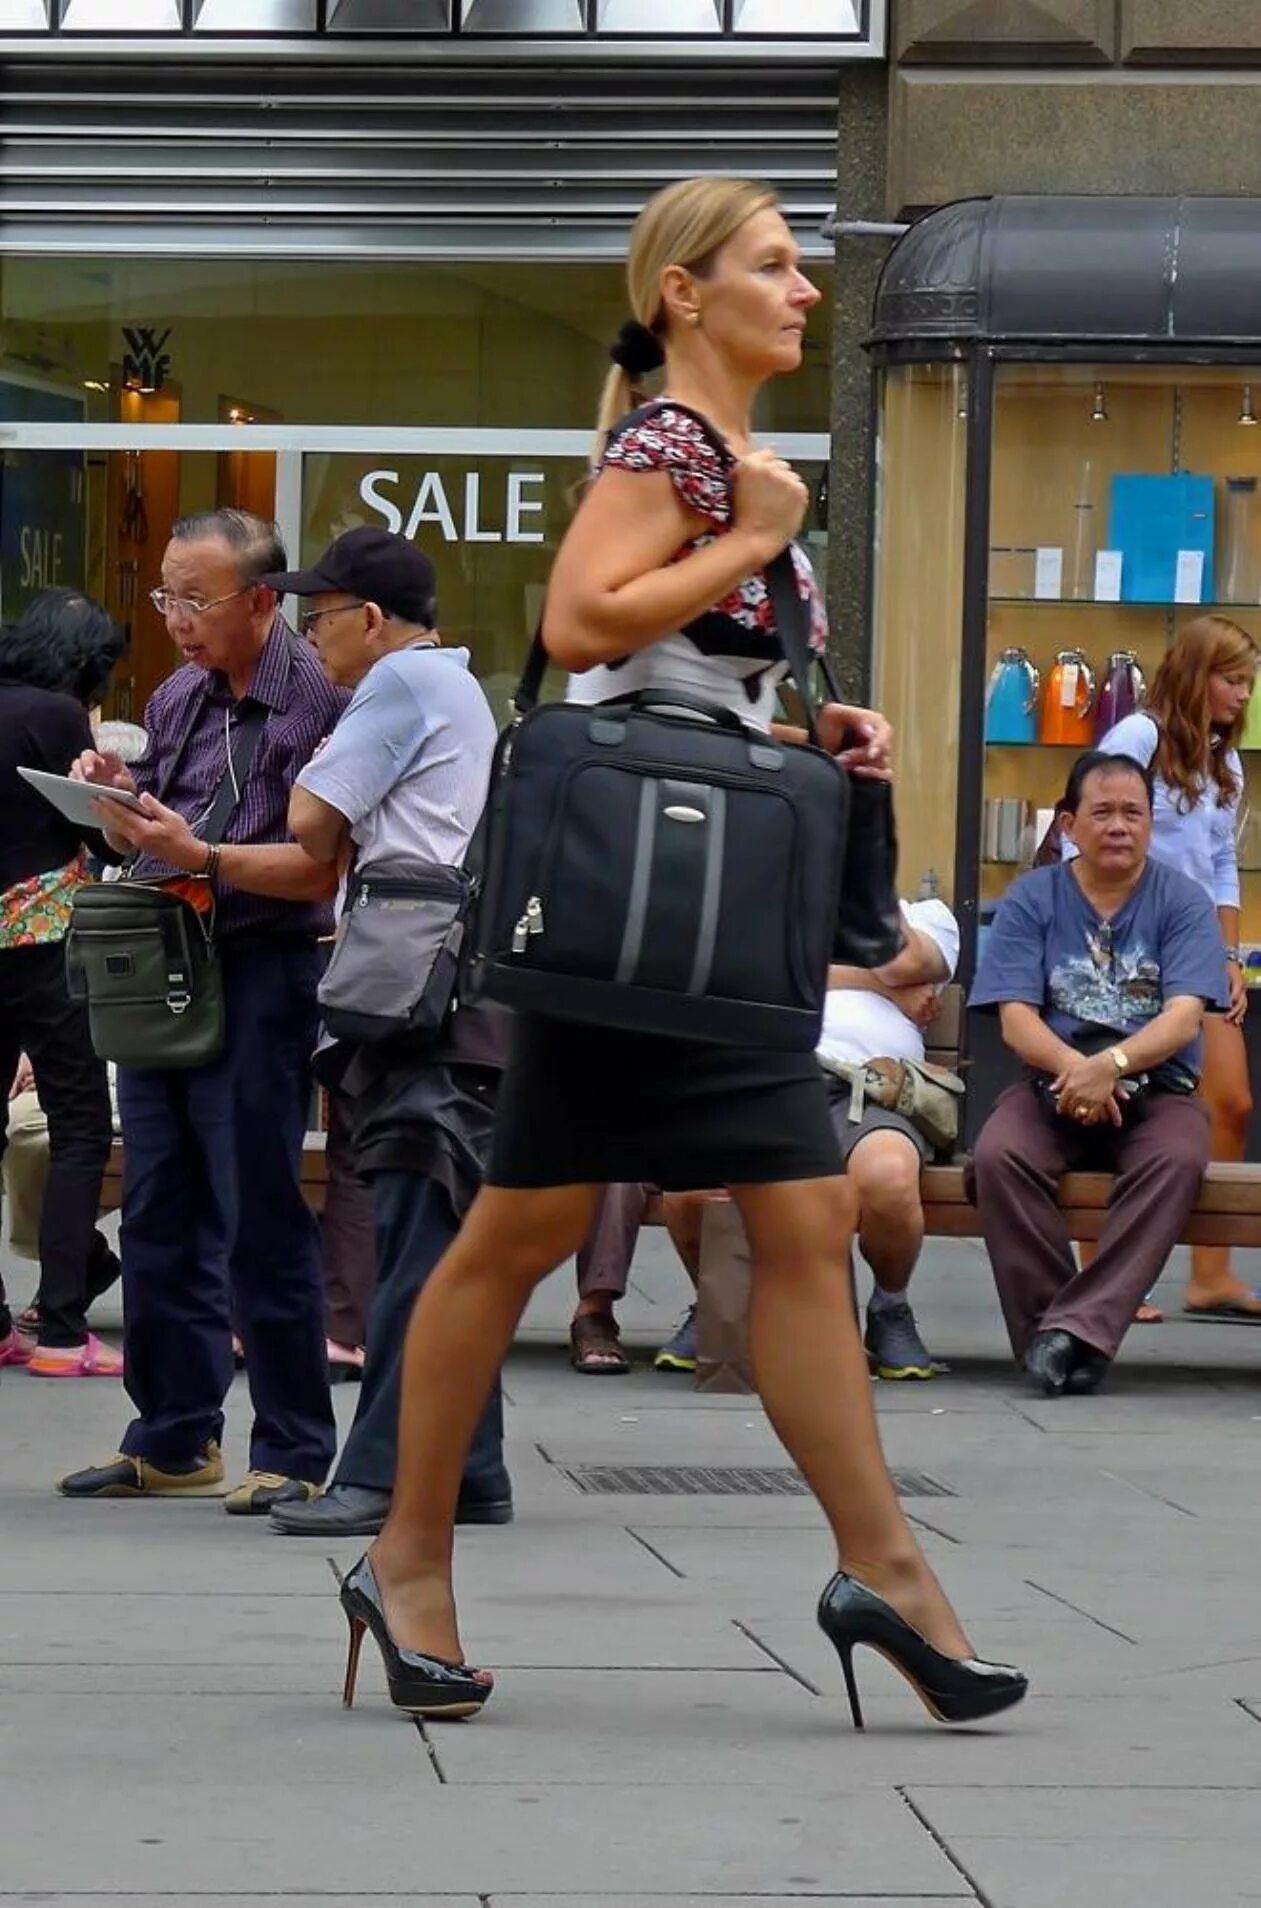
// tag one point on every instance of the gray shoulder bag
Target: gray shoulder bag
(394, 961)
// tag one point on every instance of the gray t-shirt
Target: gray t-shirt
(1048, 947)
(408, 765)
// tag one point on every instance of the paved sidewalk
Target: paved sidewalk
(669, 1727)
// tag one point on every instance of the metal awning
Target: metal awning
(1076, 270)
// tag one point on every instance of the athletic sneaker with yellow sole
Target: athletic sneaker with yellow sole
(894, 1346)
(679, 1353)
(122, 1476)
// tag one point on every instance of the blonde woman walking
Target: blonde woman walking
(660, 582)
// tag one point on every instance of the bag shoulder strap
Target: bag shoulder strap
(791, 620)
(198, 703)
(227, 797)
(781, 578)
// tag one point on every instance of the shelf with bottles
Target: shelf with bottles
(1063, 703)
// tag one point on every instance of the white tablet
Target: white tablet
(75, 799)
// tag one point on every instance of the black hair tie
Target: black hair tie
(636, 349)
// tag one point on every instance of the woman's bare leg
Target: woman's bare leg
(812, 1374)
(1227, 1094)
(460, 1330)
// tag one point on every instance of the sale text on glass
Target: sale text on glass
(432, 504)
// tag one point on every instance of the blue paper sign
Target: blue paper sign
(1151, 520)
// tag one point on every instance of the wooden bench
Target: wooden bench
(1227, 1212)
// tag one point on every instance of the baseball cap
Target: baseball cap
(371, 563)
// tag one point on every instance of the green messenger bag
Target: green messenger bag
(142, 955)
(142, 959)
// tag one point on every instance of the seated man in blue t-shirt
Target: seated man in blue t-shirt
(1100, 969)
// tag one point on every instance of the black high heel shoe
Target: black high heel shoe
(952, 1689)
(422, 1685)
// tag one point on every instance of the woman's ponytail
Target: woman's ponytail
(616, 399)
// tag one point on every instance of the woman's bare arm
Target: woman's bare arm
(614, 588)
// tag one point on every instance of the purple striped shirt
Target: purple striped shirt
(302, 708)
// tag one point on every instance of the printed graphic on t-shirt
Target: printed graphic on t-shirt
(1107, 985)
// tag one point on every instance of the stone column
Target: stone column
(861, 168)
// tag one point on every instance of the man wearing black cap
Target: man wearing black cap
(403, 776)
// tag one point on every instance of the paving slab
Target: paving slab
(1027, 1848)
(172, 1797)
(173, 1674)
(720, 1901)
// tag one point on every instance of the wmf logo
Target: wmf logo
(147, 364)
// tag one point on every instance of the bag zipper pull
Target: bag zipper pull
(531, 922)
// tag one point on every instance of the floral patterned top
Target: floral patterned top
(36, 911)
(731, 654)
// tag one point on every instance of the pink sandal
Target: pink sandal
(92, 1360)
(16, 1348)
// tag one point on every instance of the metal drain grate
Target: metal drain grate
(718, 1480)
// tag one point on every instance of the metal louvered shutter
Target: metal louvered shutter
(387, 160)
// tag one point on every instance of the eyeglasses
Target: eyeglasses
(312, 617)
(167, 605)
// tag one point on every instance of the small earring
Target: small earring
(693, 317)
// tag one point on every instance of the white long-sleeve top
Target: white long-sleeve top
(1200, 840)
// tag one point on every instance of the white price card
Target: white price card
(1108, 576)
(1190, 576)
(1048, 572)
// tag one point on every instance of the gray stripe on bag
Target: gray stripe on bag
(641, 882)
(711, 899)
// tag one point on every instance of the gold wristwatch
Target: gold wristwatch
(1120, 1059)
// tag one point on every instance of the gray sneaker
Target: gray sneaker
(894, 1346)
(680, 1353)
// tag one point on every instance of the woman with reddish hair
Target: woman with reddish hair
(1189, 736)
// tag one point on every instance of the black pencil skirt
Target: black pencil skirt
(595, 1105)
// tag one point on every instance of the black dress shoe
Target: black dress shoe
(1050, 1360)
(1089, 1371)
(357, 1510)
(345, 1510)
(476, 1509)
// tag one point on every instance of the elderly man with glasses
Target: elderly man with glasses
(214, 1225)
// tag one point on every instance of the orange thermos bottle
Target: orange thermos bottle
(1069, 700)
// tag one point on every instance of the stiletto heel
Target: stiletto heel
(846, 1654)
(427, 1686)
(953, 1689)
(357, 1628)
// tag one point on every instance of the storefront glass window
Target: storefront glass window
(323, 342)
(921, 470)
(1124, 502)
(271, 356)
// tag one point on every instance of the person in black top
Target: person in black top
(54, 666)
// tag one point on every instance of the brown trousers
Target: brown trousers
(1158, 1156)
(604, 1258)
